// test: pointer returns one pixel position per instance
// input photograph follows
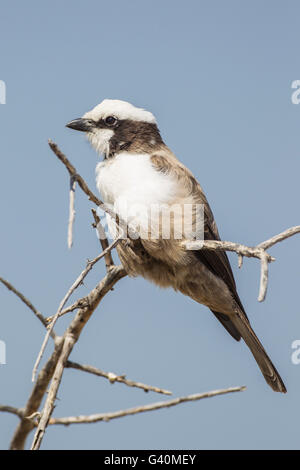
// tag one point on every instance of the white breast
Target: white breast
(133, 177)
(130, 184)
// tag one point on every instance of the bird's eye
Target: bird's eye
(110, 120)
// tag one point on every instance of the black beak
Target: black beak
(83, 125)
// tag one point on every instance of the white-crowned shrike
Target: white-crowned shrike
(140, 171)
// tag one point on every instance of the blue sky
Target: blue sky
(217, 75)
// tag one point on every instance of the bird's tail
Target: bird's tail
(265, 364)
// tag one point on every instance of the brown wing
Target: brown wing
(216, 261)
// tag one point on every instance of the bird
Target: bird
(140, 178)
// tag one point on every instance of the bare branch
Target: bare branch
(34, 401)
(45, 375)
(240, 260)
(215, 245)
(280, 237)
(27, 302)
(52, 371)
(69, 342)
(264, 273)
(70, 337)
(83, 302)
(71, 211)
(73, 173)
(141, 409)
(116, 378)
(127, 229)
(251, 252)
(11, 409)
(74, 286)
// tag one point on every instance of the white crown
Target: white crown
(121, 110)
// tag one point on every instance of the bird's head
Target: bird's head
(114, 125)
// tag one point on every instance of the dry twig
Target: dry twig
(34, 401)
(117, 378)
(74, 286)
(70, 337)
(71, 211)
(27, 302)
(127, 229)
(83, 302)
(11, 409)
(52, 371)
(258, 251)
(141, 409)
